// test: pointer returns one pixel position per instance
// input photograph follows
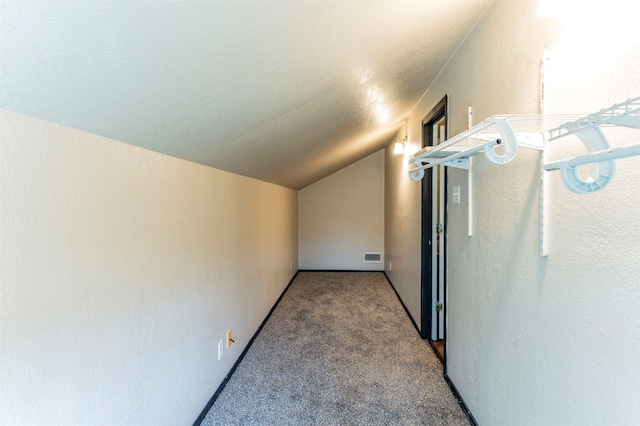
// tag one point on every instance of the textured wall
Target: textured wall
(120, 270)
(535, 340)
(342, 216)
(402, 226)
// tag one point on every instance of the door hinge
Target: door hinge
(439, 307)
(439, 228)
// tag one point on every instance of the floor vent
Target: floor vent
(373, 257)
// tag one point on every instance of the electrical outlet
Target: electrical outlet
(291, 265)
(229, 339)
(220, 346)
(389, 266)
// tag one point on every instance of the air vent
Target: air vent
(373, 257)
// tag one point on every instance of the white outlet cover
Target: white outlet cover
(220, 349)
(456, 195)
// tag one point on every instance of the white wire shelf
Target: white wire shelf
(497, 133)
(625, 114)
(500, 136)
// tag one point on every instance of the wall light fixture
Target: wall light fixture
(400, 146)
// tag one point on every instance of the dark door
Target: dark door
(433, 290)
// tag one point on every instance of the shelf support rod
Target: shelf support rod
(470, 199)
(544, 201)
(595, 157)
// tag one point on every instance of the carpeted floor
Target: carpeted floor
(338, 350)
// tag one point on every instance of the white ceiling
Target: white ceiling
(283, 91)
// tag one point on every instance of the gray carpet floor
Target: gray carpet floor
(339, 349)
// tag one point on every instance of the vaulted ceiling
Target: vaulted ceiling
(283, 91)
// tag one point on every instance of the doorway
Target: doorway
(434, 225)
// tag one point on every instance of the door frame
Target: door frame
(426, 283)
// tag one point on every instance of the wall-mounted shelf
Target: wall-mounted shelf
(601, 155)
(500, 136)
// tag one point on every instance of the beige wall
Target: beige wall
(535, 340)
(120, 270)
(402, 228)
(342, 216)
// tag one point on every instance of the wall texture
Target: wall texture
(535, 340)
(402, 226)
(342, 216)
(120, 271)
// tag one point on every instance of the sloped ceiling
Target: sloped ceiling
(283, 91)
